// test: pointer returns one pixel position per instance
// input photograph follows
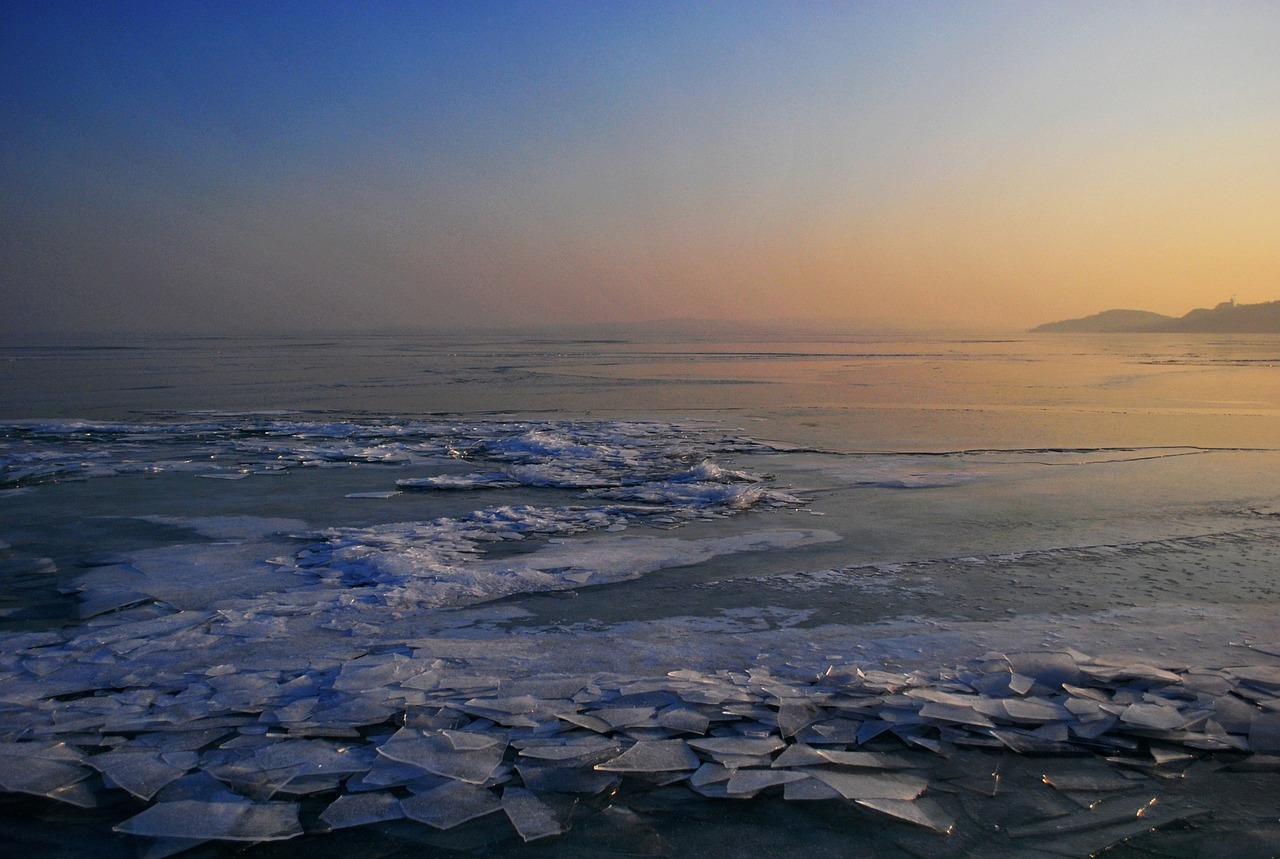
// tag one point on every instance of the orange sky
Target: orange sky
(992, 164)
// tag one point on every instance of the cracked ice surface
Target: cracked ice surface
(221, 683)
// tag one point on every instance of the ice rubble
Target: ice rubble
(444, 745)
(434, 565)
(584, 455)
(221, 710)
(625, 473)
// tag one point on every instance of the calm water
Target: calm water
(339, 593)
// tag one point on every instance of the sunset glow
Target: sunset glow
(193, 167)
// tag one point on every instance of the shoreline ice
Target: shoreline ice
(231, 680)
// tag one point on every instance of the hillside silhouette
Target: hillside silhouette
(1227, 318)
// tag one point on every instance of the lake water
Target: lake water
(881, 595)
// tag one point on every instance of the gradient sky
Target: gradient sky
(219, 166)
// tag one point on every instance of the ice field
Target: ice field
(593, 635)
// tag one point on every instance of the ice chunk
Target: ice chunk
(835, 731)
(574, 754)
(198, 785)
(711, 773)
(224, 821)
(1094, 728)
(40, 768)
(376, 672)
(384, 772)
(435, 753)
(80, 794)
(941, 696)
(531, 817)
(98, 599)
(359, 809)
(922, 812)
(139, 771)
(866, 760)
(1266, 676)
(497, 707)
(800, 755)
(1049, 668)
(591, 723)
(271, 767)
(1156, 716)
(683, 719)
(1031, 710)
(795, 715)
(1130, 671)
(625, 717)
(999, 683)
(195, 576)
(251, 781)
(475, 480)
(450, 805)
(1086, 709)
(1027, 742)
(472, 741)
(1092, 780)
(1233, 714)
(963, 714)
(873, 785)
(722, 748)
(1166, 756)
(550, 778)
(808, 789)
(751, 781)
(653, 756)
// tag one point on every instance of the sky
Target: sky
(231, 166)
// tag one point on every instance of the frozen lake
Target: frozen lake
(881, 595)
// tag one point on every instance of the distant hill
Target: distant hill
(1227, 318)
(1106, 322)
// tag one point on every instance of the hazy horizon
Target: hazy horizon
(673, 327)
(322, 166)
(676, 327)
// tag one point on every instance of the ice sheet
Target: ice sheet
(226, 821)
(450, 805)
(360, 809)
(366, 662)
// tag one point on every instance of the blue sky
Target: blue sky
(232, 165)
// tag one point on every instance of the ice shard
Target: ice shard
(648, 756)
(722, 748)
(223, 821)
(859, 785)
(40, 768)
(531, 817)
(921, 812)
(450, 805)
(748, 782)
(360, 809)
(436, 753)
(142, 772)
